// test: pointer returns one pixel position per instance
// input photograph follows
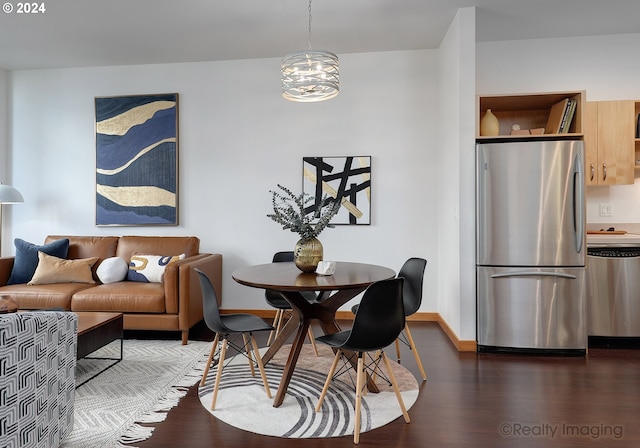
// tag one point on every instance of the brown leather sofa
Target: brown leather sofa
(173, 305)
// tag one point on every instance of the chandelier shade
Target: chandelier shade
(310, 75)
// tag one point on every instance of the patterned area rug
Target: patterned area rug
(243, 403)
(142, 388)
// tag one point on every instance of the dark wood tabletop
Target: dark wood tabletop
(348, 280)
(90, 320)
(287, 277)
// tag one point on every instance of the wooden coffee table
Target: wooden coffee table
(95, 330)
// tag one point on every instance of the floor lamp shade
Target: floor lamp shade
(9, 195)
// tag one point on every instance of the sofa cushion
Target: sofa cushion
(150, 268)
(26, 259)
(43, 297)
(58, 270)
(123, 297)
(111, 270)
(130, 245)
(89, 246)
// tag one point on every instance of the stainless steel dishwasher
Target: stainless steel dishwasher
(613, 291)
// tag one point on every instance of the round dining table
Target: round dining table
(348, 280)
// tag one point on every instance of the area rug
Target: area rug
(242, 401)
(152, 377)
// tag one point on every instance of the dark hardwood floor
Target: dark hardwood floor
(468, 400)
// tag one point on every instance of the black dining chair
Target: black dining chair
(378, 322)
(413, 273)
(226, 326)
(283, 308)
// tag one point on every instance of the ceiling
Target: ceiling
(84, 33)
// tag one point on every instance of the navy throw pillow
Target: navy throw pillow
(26, 260)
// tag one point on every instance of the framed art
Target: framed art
(346, 178)
(137, 160)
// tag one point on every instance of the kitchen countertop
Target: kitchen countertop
(631, 238)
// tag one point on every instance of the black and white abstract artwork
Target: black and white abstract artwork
(346, 179)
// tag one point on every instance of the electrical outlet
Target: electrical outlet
(606, 210)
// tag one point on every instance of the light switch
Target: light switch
(606, 210)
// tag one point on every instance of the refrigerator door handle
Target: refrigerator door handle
(534, 273)
(578, 200)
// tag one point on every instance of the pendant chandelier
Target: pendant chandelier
(310, 75)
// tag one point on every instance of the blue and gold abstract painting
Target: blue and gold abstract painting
(137, 160)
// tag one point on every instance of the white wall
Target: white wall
(5, 169)
(606, 67)
(238, 139)
(456, 280)
(4, 125)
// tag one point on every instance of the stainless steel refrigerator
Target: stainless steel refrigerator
(531, 246)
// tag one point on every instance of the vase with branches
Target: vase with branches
(306, 216)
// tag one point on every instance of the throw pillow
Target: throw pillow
(112, 270)
(26, 259)
(58, 270)
(150, 268)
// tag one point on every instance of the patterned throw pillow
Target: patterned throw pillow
(58, 270)
(150, 268)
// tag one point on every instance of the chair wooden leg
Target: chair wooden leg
(398, 350)
(415, 352)
(281, 322)
(214, 347)
(276, 321)
(360, 384)
(247, 349)
(216, 387)
(332, 370)
(394, 383)
(312, 339)
(260, 365)
(276, 324)
(376, 366)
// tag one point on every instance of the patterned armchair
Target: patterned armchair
(37, 378)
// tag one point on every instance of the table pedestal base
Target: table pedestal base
(323, 311)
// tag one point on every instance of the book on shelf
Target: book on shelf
(568, 116)
(556, 115)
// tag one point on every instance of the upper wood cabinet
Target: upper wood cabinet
(637, 134)
(528, 111)
(609, 139)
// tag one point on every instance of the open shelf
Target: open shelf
(529, 111)
(637, 134)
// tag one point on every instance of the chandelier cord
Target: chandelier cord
(309, 35)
